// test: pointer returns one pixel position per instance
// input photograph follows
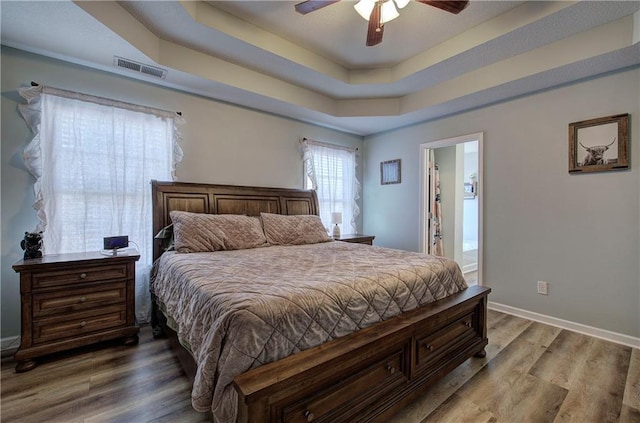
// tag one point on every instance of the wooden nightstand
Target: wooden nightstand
(357, 238)
(72, 300)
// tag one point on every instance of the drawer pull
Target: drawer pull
(429, 347)
(391, 369)
(83, 299)
(83, 324)
(83, 275)
(309, 415)
(468, 324)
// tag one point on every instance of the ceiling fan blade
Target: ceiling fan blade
(311, 5)
(454, 7)
(376, 28)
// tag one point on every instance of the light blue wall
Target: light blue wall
(578, 232)
(222, 144)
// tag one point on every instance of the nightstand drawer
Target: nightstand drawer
(71, 300)
(66, 326)
(87, 274)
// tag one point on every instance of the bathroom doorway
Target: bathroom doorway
(451, 202)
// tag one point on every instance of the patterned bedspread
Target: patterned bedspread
(236, 310)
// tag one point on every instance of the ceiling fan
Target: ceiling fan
(379, 12)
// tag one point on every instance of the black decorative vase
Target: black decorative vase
(32, 245)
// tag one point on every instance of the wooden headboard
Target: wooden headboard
(225, 199)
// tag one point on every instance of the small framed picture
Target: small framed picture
(599, 144)
(390, 172)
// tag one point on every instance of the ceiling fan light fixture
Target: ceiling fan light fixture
(365, 7)
(378, 12)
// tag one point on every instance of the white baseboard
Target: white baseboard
(607, 335)
(9, 345)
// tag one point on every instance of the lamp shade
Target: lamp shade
(336, 218)
(364, 8)
(389, 12)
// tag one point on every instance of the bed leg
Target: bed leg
(156, 316)
(481, 354)
(158, 333)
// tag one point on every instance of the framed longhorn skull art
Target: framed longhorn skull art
(599, 144)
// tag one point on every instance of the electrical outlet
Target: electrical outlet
(543, 288)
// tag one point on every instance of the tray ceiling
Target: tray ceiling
(316, 67)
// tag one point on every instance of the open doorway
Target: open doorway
(451, 202)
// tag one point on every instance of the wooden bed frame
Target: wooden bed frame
(366, 376)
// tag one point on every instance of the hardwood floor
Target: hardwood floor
(532, 373)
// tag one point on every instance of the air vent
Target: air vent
(139, 67)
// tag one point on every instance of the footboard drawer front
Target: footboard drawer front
(431, 348)
(347, 397)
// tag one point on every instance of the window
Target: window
(94, 163)
(331, 171)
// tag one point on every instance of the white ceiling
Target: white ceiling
(316, 67)
(346, 46)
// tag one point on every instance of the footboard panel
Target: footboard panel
(371, 374)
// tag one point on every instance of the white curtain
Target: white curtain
(332, 171)
(93, 160)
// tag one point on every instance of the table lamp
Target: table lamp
(336, 219)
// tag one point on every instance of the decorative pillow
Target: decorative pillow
(201, 232)
(241, 232)
(293, 230)
(195, 233)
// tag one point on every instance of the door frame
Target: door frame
(424, 184)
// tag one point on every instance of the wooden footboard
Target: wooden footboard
(369, 375)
